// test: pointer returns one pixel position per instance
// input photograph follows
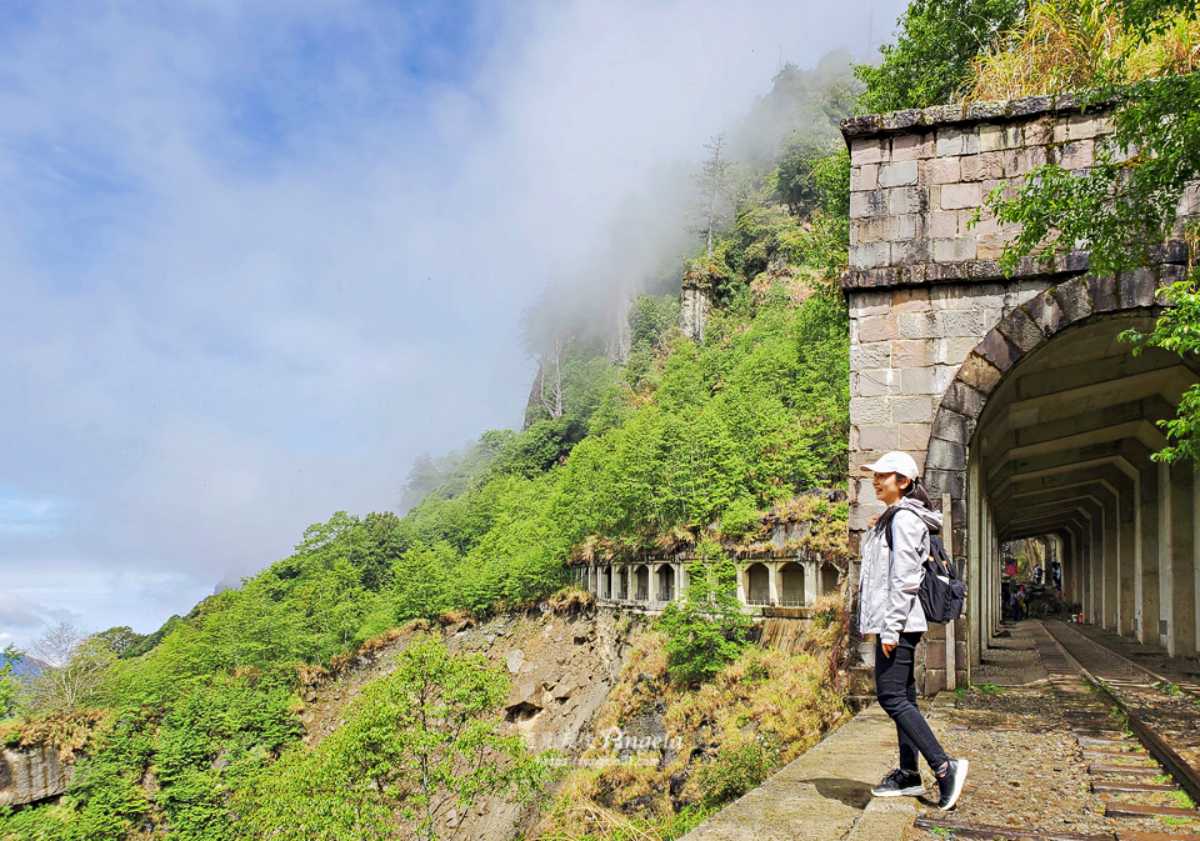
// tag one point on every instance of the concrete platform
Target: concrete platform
(824, 795)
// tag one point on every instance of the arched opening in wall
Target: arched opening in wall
(1060, 438)
(641, 577)
(791, 577)
(829, 578)
(606, 583)
(623, 582)
(666, 582)
(758, 590)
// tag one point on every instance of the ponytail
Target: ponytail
(916, 490)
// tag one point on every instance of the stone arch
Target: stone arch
(829, 579)
(666, 582)
(791, 579)
(606, 582)
(1046, 430)
(1023, 330)
(758, 584)
(622, 582)
(641, 583)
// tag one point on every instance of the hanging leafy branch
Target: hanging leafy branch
(1126, 205)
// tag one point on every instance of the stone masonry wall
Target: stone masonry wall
(924, 286)
(918, 177)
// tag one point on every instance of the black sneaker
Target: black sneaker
(899, 783)
(951, 785)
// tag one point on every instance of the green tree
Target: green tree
(1126, 204)
(8, 681)
(708, 629)
(415, 744)
(931, 60)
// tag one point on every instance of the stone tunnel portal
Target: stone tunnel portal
(1014, 392)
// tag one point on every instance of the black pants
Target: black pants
(896, 689)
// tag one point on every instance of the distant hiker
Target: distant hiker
(894, 550)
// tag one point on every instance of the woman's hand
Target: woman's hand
(888, 648)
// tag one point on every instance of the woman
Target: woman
(894, 550)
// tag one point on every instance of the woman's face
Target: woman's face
(889, 487)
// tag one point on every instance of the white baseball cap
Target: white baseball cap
(894, 462)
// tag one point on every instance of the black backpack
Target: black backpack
(942, 592)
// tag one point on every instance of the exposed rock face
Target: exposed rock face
(561, 666)
(694, 305)
(562, 669)
(30, 775)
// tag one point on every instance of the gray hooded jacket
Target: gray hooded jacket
(889, 580)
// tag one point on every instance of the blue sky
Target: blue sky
(255, 257)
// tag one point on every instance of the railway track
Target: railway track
(1139, 736)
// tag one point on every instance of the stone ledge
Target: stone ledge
(1171, 253)
(822, 795)
(896, 122)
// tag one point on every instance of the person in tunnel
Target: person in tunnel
(894, 550)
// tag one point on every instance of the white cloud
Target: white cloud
(256, 257)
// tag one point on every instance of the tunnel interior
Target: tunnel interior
(1062, 450)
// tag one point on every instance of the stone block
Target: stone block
(911, 147)
(875, 382)
(951, 426)
(1082, 127)
(981, 166)
(875, 328)
(943, 224)
(904, 200)
(1059, 132)
(952, 482)
(906, 226)
(990, 246)
(1077, 154)
(964, 323)
(911, 299)
(963, 399)
(991, 138)
(898, 174)
(952, 350)
(967, 296)
(1001, 187)
(955, 196)
(917, 381)
(871, 411)
(954, 250)
(1145, 283)
(871, 229)
(1074, 299)
(906, 252)
(979, 374)
(955, 141)
(1103, 293)
(865, 177)
(911, 353)
(1017, 162)
(944, 171)
(879, 438)
(873, 355)
(912, 409)
(916, 325)
(913, 436)
(1043, 308)
(870, 255)
(1039, 132)
(1019, 328)
(870, 302)
(867, 150)
(868, 203)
